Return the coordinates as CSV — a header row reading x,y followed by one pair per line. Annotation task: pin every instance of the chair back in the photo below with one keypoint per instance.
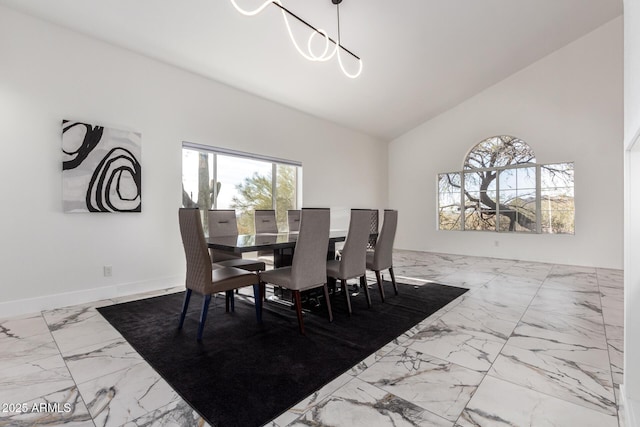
x,y
222,223
373,229
383,255
195,249
265,221
309,265
354,253
293,219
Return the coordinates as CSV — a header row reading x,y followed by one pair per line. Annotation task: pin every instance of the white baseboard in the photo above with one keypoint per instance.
x,y
49,302
630,409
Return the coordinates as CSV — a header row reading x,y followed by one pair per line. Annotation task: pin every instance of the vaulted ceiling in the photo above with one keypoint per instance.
x,y
420,57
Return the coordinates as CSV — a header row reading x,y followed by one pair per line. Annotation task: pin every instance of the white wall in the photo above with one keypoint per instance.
x,y
567,107
48,258
631,382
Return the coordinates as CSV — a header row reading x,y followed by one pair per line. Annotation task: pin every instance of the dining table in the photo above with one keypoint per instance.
x,y
282,244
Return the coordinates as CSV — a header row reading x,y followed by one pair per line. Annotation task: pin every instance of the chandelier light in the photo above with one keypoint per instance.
x,y
331,47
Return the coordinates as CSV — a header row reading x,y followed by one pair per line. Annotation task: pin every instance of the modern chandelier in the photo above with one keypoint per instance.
x,y
331,47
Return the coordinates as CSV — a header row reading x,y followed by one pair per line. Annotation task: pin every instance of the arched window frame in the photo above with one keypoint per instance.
x,y
518,206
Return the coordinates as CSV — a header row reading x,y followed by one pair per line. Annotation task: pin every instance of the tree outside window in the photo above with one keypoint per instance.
x,y
212,180
256,192
501,188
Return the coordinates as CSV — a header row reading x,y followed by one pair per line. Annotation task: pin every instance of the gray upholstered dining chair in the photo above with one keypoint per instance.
x,y
293,226
293,220
309,267
265,221
373,232
373,229
381,257
223,223
352,261
202,277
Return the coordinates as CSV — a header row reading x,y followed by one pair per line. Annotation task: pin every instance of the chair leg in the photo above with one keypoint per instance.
x,y
363,285
379,280
257,298
185,305
263,287
203,315
326,298
345,290
331,284
298,302
393,280
229,301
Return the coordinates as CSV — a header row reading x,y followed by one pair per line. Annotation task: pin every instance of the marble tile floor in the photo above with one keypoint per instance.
x,y
530,344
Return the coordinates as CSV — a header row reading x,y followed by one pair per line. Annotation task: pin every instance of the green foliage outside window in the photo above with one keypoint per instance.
x,y
256,192
244,185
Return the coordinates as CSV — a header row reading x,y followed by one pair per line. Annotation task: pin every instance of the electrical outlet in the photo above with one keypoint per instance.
x,y
108,270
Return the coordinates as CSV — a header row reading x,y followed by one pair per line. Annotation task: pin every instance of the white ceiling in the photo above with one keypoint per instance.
x,y
421,57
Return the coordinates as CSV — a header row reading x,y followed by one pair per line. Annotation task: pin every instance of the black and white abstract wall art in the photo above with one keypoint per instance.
x,y
100,168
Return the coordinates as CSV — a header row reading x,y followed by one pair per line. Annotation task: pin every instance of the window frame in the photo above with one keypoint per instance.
x,y
538,191
500,170
275,163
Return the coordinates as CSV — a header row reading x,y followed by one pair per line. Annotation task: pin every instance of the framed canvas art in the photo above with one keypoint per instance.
x,y
100,168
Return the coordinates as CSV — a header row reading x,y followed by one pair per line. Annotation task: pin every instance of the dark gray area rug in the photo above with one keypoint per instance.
x,y
244,373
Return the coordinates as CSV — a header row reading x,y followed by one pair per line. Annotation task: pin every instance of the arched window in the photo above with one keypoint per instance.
x,y
501,188
499,151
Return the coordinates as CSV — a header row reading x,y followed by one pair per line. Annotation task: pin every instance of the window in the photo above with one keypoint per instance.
x,y
215,178
501,188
